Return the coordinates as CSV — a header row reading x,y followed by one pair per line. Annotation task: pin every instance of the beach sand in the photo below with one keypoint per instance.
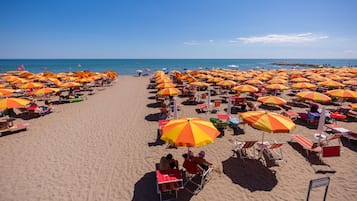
x,y
105,148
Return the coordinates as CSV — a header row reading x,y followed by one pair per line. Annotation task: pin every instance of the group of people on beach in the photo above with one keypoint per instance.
x,y
168,162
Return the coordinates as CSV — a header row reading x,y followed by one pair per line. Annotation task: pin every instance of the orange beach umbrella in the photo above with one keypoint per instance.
x,y
168,92
274,100
4,92
342,93
268,121
189,132
44,91
8,103
314,96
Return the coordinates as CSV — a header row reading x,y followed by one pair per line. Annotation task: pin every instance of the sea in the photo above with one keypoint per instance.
x,y
130,66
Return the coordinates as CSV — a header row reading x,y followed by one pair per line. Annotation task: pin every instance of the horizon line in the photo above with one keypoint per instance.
x,y
164,58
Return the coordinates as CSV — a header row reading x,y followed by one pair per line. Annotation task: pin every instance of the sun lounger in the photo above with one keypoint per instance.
x,y
168,181
195,175
273,151
8,127
243,149
327,151
306,143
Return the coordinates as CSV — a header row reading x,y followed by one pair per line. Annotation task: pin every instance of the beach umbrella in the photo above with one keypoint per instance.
x,y
277,81
2,85
70,84
168,92
8,103
353,106
300,79
268,122
303,85
199,84
245,88
4,92
274,100
227,83
350,82
314,96
276,87
189,132
31,85
44,91
254,82
330,83
165,85
342,93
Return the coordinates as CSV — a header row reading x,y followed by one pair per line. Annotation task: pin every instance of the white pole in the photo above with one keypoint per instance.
x,y
175,107
229,107
321,124
209,99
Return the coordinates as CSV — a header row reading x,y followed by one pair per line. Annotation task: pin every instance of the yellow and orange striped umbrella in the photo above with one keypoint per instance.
x,y
268,121
70,84
227,83
314,96
276,87
331,83
342,93
199,84
353,106
303,85
165,85
189,132
300,79
245,88
273,100
4,92
8,103
44,91
169,92
31,85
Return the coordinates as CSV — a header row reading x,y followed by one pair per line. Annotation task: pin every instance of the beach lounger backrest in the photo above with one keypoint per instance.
x,y
306,143
248,144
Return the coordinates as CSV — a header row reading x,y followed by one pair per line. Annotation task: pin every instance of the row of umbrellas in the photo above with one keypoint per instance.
x,y
195,132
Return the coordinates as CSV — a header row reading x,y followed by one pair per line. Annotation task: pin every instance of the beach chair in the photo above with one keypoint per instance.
x,y
202,107
274,151
243,149
309,146
7,126
168,181
195,175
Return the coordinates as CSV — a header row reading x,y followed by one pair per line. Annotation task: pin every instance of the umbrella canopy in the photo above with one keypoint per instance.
x,y
276,87
268,121
31,85
169,92
4,92
165,85
303,85
199,84
314,96
8,103
342,93
245,88
274,100
227,83
189,132
71,84
353,106
44,91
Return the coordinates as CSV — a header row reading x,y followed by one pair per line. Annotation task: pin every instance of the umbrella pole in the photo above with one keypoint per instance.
x,y
263,137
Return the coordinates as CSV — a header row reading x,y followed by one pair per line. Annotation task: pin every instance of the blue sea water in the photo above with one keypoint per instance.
x,y
129,66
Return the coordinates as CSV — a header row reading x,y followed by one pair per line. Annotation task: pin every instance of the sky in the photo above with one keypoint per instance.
x,y
178,29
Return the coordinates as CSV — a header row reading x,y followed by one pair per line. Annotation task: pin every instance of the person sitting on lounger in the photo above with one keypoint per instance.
x,y
201,161
168,162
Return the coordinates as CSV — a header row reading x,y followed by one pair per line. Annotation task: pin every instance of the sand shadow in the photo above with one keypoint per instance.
x,y
152,97
238,131
311,157
153,105
158,141
250,174
269,107
155,117
153,92
299,105
145,188
350,144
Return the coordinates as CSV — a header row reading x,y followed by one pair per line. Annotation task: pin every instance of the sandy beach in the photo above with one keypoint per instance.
x,y
105,148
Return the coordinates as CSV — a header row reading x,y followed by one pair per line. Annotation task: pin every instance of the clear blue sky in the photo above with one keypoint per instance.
x,y
178,29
